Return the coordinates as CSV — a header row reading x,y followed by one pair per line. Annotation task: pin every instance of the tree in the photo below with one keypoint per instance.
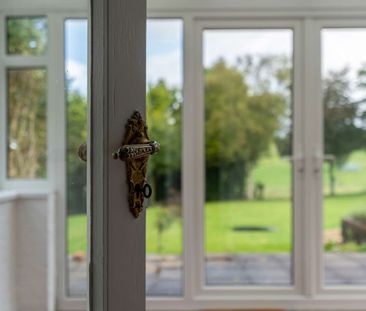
x,y
344,119
27,108
164,122
27,133
76,134
26,35
239,127
240,124
272,74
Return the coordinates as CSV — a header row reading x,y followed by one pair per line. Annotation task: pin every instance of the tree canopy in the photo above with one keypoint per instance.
x,y
239,126
26,35
344,117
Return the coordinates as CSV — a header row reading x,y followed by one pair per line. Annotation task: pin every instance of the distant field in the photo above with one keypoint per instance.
x,y
275,173
274,212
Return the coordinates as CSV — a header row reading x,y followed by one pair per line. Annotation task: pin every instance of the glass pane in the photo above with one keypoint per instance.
x,y
26,35
76,75
344,172
164,118
248,148
27,114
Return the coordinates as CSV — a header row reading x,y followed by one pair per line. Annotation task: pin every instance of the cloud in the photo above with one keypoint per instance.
x,y
167,63
231,44
164,35
343,47
167,66
78,73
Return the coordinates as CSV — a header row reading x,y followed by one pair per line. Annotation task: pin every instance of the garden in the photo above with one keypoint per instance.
x,y
272,212
248,147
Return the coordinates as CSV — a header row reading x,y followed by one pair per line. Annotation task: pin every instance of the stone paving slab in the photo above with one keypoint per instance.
x,y
164,273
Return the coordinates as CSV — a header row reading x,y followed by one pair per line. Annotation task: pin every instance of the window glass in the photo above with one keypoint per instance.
x,y
76,75
164,119
26,35
248,153
26,128
344,168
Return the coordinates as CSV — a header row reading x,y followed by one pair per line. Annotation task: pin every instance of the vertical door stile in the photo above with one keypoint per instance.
x,y
312,238
189,180
118,89
299,160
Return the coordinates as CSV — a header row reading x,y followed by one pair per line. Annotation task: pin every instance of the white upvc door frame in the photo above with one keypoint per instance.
x,y
59,118
189,163
297,150
318,153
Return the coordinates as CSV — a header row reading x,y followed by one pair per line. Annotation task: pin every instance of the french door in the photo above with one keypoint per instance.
x,y
253,140
232,54
236,251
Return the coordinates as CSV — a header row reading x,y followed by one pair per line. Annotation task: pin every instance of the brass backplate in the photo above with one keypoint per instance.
x,y
135,151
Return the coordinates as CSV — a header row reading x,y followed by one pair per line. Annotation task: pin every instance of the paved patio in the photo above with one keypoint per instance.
x,y
164,273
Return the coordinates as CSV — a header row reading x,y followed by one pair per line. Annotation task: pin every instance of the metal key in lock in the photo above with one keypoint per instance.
x,y
143,189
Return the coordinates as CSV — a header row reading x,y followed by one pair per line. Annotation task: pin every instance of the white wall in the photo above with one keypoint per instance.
x,y
7,252
27,252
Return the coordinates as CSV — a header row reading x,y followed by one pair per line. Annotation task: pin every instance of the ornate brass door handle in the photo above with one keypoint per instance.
x,y
135,151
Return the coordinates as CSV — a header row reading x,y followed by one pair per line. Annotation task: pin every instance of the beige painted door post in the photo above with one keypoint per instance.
x,y
117,269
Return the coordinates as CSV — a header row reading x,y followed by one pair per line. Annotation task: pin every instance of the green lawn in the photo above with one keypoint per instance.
x,y
274,211
221,218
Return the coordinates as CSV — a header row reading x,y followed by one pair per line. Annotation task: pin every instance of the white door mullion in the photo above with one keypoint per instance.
x,y
298,158
312,232
189,180
199,156
57,142
318,151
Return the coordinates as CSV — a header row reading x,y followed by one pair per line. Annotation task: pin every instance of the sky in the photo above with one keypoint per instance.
x,y
344,48
76,53
164,47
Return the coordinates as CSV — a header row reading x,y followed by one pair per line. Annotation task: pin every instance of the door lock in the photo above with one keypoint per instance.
x,y
135,151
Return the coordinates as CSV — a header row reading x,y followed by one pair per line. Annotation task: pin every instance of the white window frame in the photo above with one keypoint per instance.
x,y
63,300
20,62
306,18
198,177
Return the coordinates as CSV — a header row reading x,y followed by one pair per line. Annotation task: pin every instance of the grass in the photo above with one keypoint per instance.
x,y
274,211
77,230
